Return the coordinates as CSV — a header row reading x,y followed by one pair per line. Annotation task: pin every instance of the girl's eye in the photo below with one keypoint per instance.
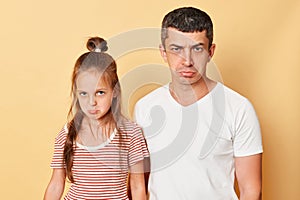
x,y
82,94
100,93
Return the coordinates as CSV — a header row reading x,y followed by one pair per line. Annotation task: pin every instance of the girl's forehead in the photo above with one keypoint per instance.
x,y
89,71
91,79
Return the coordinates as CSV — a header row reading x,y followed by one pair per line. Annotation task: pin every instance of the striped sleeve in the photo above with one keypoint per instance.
x,y
57,159
138,148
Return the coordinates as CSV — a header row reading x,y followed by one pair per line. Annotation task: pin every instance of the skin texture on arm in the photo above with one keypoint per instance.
x,y
137,181
56,185
249,176
146,172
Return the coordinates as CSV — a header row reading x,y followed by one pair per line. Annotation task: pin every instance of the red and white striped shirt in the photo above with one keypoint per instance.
x,y
101,172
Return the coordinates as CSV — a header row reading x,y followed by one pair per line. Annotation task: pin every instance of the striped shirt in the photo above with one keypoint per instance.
x,y
100,172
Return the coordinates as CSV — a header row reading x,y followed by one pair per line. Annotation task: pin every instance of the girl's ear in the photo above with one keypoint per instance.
x,y
163,52
115,93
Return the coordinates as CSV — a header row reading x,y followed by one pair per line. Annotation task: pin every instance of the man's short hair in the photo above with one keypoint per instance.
x,y
187,19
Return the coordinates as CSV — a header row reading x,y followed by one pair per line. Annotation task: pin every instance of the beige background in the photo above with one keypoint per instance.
x,y
258,55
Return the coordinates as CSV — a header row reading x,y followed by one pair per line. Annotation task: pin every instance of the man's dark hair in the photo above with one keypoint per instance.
x,y
187,19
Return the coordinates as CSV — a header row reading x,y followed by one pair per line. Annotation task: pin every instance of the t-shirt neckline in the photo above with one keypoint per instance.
x,y
97,147
196,102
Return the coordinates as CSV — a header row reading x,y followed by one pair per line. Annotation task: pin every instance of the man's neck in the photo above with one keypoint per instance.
x,y
186,94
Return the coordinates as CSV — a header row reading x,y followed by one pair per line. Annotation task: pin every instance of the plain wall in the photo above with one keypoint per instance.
x,y
258,55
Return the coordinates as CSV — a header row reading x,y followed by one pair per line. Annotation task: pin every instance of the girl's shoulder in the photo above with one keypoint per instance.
x,y
62,135
129,127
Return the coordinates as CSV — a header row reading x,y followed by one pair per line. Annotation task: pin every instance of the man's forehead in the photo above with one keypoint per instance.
x,y
186,37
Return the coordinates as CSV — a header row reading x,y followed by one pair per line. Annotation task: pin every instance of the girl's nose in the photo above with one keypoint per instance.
x,y
93,101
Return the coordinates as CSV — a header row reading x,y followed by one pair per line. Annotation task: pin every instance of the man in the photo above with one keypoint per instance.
x,y
201,135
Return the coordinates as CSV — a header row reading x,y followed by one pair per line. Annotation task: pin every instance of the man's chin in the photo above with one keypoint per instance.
x,y
188,80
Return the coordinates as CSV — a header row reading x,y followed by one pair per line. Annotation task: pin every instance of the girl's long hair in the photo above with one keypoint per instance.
x,y
106,65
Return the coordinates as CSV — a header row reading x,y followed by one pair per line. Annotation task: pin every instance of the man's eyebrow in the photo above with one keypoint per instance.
x,y
198,44
175,45
195,45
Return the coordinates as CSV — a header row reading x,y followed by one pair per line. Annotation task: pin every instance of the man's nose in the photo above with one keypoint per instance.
x,y
187,58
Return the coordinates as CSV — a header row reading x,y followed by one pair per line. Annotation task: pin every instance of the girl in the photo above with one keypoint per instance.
x,y
98,147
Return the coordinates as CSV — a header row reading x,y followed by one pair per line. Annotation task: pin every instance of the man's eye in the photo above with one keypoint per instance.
x,y
175,49
198,49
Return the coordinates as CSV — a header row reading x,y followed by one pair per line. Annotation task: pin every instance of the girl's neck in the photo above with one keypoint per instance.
x,y
94,132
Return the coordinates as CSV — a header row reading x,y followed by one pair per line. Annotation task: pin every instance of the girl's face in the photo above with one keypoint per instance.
x,y
94,95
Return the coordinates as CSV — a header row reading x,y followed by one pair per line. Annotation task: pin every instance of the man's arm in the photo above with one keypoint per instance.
x,y
249,176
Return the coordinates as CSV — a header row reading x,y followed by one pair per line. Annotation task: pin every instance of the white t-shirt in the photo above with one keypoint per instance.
x,y
192,148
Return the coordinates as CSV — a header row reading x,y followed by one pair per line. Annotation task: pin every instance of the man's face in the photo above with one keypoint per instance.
x,y
187,55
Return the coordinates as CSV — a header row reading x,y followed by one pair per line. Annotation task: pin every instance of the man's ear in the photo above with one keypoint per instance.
x,y
163,52
212,50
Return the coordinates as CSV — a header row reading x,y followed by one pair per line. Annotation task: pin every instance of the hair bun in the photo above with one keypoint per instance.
x,y
96,44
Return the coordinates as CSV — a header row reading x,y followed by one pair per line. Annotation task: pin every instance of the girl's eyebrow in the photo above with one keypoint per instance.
x,y
97,89
101,89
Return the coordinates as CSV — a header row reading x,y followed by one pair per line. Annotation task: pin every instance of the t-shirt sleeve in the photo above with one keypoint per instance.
x,y
57,159
138,148
247,139
136,114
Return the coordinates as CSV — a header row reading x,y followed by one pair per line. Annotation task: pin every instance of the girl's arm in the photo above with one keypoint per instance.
x,y
137,181
56,186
